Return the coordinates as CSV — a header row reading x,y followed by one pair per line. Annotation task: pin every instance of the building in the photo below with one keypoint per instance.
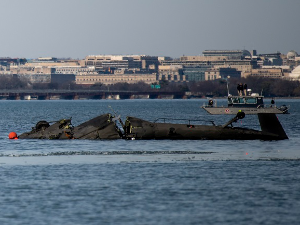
x,y
194,67
292,59
171,73
45,74
107,79
7,62
53,62
286,70
207,58
271,59
231,54
221,73
266,72
135,62
295,74
195,73
73,69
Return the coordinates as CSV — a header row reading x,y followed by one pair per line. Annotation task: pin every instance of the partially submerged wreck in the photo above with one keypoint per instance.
x,y
141,129
100,127
105,127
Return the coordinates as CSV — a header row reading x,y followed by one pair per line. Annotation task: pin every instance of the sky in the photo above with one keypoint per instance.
x,y
78,28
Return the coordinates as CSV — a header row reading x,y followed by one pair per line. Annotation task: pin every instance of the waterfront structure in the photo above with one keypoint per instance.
x,y
213,64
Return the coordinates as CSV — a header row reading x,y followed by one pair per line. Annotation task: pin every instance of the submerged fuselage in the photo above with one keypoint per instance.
x,y
105,127
141,129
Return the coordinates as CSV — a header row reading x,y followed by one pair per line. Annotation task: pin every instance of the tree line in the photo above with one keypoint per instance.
x,y
218,88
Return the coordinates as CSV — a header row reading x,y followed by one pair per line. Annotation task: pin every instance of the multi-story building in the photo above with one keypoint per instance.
x,y
266,72
37,74
73,69
222,73
107,79
197,65
171,73
7,61
52,62
231,54
271,59
137,62
195,73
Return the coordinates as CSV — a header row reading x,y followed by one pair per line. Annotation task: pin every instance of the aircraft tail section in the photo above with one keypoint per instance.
x,y
269,123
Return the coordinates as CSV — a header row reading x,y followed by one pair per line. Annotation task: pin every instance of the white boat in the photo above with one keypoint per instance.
x,y
30,97
250,104
27,97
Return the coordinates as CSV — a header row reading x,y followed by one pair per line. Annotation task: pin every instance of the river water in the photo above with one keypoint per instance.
x,y
145,182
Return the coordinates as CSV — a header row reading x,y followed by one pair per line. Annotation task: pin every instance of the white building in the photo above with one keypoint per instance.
x,y
295,74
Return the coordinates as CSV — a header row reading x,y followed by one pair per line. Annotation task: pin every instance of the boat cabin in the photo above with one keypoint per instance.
x,y
245,101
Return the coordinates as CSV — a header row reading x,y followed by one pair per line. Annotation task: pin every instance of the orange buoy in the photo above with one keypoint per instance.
x,y
13,135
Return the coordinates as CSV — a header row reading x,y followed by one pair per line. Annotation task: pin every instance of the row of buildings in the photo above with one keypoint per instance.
x,y
111,69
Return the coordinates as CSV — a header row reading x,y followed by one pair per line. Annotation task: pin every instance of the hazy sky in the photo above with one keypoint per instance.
x,y
77,28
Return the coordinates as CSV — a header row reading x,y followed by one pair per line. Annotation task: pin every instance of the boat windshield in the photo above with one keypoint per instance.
x,y
251,100
242,100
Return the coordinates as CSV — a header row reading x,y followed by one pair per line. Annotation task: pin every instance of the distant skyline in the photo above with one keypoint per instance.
x,y
77,28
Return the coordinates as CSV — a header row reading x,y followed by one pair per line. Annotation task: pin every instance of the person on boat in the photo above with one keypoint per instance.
x,y
272,102
240,89
245,89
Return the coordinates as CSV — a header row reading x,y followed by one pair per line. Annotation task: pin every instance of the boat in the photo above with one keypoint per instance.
x,y
250,104
27,97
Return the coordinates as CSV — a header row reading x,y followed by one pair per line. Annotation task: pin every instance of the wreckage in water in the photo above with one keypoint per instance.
x,y
136,128
100,127
105,127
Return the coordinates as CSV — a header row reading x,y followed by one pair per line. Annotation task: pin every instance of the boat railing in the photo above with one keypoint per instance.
x,y
214,104
276,106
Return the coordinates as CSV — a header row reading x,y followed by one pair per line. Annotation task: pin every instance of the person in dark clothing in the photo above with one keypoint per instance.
x,y
240,89
245,89
272,101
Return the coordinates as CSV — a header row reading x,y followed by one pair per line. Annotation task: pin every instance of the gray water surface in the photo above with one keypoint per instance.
x,y
147,181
